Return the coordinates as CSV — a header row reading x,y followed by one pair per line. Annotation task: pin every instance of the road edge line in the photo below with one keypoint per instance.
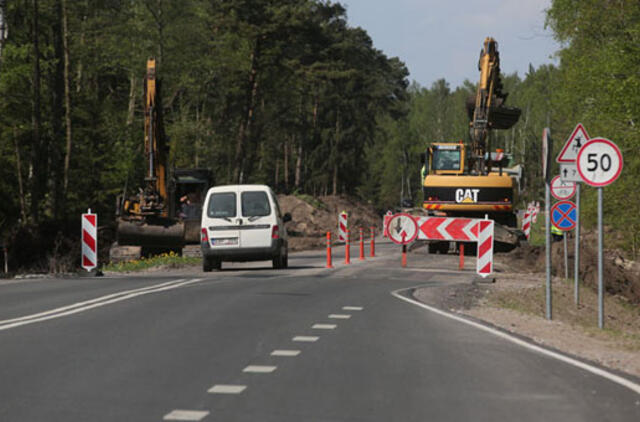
x,y
531,346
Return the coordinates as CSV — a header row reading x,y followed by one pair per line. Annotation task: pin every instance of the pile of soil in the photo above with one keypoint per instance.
x,y
312,218
622,276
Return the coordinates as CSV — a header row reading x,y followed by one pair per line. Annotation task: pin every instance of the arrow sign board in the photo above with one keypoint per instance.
x,y
599,162
561,189
563,215
402,229
444,228
569,173
569,152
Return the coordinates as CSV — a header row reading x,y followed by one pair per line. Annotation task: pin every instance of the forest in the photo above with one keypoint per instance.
x,y
282,92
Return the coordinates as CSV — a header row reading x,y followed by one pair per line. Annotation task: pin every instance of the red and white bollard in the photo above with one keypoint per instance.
x,y
89,241
373,242
526,224
329,263
343,225
361,244
347,252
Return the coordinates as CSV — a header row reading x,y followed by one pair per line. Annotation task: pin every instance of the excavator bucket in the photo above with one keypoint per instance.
x,y
157,236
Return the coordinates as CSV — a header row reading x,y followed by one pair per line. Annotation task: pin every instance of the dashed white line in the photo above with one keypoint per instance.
x,y
185,415
339,316
306,339
227,389
259,369
352,308
285,353
323,326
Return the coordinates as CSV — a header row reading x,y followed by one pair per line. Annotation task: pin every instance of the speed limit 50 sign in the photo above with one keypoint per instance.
x,y
599,162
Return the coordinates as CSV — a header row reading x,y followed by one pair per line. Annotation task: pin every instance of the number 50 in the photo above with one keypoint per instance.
x,y
604,163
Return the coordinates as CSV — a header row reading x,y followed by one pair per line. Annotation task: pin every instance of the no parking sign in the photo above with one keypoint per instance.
x,y
563,215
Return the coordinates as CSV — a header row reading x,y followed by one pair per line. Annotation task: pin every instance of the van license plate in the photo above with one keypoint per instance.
x,y
224,241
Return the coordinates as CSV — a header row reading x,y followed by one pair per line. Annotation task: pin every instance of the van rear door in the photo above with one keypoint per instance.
x,y
223,219
259,219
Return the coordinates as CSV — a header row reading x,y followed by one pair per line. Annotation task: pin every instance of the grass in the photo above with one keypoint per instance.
x,y
622,320
311,200
170,260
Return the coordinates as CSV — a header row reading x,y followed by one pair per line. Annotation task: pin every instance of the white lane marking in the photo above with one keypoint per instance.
x,y
590,368
227,389
352,308
285,353
323,326
185,415
93,303
307,339
259,369
339,316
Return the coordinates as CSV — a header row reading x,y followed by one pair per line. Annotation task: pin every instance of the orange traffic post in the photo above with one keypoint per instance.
x,y
361,244
329,250
373,241
347,254
404,256
461,255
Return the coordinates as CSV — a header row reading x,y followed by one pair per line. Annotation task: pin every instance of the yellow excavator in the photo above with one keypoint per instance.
x,y
472,181
163,215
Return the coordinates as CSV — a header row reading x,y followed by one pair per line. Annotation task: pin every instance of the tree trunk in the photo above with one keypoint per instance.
x,y
285,166
36,155
245,123
133,94
67,97
23,207
3,26
336,156
298,165
54,150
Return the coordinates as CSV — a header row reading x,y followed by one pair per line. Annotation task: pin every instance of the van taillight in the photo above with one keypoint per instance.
x,y
274,233
204,237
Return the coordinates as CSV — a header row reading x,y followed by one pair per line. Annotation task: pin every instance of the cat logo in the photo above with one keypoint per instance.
x,y
467,196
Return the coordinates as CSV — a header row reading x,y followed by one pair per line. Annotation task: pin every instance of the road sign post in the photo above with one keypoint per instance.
x,y
576,261
547,146
600,164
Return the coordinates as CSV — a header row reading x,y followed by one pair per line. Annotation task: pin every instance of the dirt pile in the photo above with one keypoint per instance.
x,y
313,217
622,276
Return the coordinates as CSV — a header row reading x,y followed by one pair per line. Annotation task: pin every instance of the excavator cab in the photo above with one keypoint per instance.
x,y
446,158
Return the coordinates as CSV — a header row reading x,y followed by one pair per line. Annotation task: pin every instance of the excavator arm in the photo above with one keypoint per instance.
x,y
487,110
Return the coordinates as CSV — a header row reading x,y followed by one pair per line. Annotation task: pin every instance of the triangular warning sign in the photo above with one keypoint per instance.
x,y
569,152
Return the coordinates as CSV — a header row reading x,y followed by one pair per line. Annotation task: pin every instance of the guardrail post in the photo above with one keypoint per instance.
x,y
329,263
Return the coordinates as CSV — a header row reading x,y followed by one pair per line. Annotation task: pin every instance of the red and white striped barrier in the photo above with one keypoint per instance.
x,y
342,227
385,223
536,211
484,265
462,230
526,224
89,240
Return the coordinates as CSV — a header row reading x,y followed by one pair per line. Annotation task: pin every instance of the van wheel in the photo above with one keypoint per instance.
x,y
207,264
279,262
285,261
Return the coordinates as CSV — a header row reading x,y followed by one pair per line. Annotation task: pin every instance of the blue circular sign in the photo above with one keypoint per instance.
x,y
563,215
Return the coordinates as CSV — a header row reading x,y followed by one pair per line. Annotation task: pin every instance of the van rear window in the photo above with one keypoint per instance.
x,y
222,205
255,204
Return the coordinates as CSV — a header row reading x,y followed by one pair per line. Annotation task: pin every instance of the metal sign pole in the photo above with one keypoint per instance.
x,y
600,263
576,270
566,258
547,222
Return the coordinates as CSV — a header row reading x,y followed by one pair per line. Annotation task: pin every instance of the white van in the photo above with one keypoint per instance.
x,y
243,223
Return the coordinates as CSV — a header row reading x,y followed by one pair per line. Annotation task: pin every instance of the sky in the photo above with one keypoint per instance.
x,y
442,38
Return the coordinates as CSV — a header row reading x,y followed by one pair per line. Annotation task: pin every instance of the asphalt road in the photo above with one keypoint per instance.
x,y
253,344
